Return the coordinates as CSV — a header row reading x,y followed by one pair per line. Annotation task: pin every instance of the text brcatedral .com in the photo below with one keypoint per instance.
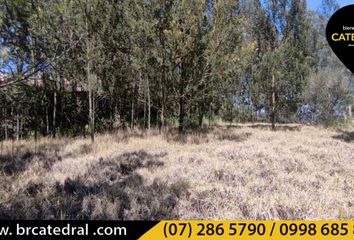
x,y
67,230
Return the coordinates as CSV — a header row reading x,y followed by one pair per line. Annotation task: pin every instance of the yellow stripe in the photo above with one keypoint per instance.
x,y
247,230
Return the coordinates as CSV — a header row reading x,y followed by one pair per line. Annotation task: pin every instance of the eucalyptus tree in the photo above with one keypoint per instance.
x,y
284,55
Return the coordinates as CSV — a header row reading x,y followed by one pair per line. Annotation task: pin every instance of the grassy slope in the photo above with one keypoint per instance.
x,y
242,172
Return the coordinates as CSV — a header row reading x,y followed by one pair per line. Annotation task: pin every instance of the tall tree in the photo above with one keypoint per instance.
x,y
284,54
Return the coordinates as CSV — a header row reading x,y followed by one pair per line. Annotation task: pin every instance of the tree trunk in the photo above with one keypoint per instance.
x,y
5,122
181,111
54,130
201,115
91,79
21,129
162,103
350,114
210,114
47,120
132,111
12,148
149,106
36,128
92,115
145,113
162,116
17,125
162,82
6,132
133,106
273,104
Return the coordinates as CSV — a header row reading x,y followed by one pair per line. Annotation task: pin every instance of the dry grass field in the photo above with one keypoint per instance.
x,y
239,172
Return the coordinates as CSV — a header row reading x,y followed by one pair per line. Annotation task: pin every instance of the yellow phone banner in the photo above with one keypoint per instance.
x,y
247,230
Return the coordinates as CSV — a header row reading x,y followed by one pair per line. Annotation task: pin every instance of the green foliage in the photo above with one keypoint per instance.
x,y
109,64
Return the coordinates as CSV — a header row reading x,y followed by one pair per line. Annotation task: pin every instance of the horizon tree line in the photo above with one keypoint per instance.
x,y
79,67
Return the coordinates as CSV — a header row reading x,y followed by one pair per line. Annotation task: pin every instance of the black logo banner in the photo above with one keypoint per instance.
x,y
340,35
74,229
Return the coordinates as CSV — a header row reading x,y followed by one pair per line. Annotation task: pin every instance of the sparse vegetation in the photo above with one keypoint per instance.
x,y
298,172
